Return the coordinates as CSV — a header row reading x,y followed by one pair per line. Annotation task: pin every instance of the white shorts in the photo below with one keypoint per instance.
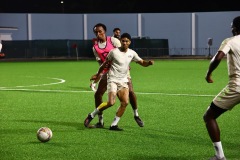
x,y
115,87
227,98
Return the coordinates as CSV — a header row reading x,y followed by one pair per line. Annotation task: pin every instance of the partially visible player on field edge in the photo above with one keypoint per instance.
x,y
2,55
229,97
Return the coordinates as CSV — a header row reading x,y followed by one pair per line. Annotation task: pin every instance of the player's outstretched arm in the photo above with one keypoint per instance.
x,y
145,63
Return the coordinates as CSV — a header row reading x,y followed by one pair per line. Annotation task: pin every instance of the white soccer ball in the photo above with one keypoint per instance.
x,y
44,134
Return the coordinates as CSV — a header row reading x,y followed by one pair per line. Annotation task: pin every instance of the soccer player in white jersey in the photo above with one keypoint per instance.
x,y
117,82
230,95
103,44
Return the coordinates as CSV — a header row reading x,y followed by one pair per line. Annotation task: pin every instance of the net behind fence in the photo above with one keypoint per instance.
x,y
150,48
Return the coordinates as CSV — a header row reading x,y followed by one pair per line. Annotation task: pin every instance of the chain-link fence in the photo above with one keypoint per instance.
x,y
83,49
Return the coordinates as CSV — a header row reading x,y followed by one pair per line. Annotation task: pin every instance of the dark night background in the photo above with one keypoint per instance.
x,y
116,6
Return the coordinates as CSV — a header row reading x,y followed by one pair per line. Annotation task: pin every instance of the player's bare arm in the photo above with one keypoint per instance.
x,y
213,65
104,65
145,63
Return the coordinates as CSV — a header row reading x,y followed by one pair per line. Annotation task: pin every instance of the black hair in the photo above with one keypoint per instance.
x,y
100,25
236,23
115,29
126,35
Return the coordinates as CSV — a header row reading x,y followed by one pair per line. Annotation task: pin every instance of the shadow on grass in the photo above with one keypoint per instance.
x,y
76,125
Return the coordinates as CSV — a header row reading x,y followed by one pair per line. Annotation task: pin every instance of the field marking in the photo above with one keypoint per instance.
x,y
72,91
37,85
21,88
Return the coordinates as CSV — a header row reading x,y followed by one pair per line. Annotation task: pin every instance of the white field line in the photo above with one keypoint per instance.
x,y
74,91
37,85
22,88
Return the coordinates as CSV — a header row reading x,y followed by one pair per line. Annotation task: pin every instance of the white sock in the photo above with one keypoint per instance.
x,y
94,113
218,149
135,111
100,117
115,121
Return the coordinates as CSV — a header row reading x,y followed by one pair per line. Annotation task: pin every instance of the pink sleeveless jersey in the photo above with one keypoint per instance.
x,y
103,52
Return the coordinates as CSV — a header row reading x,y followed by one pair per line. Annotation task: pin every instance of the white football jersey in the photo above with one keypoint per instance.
x,y
120,61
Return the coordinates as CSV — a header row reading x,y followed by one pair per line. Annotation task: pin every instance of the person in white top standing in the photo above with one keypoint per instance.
x,y
230,95
0,46
2,55
118,61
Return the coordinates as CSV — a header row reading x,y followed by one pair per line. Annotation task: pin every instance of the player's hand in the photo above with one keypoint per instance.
x,y
150,62
108,65
94,77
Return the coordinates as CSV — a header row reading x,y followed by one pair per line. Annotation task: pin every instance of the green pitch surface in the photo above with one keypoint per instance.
x,y
172,97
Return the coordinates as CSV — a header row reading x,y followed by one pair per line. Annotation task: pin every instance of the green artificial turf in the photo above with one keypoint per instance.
x,y
172,96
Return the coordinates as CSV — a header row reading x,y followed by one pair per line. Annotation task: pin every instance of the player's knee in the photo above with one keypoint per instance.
x,y
212,112
205,117
111,103
124,104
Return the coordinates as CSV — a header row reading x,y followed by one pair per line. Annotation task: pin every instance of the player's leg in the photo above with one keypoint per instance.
x,y
112,89
224,101
132,96
133,102
93,84
102,87
123,96
112,93
210,116
96,111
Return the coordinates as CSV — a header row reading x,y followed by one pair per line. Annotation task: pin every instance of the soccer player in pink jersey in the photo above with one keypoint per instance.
x,y
230,95
117,79
101,49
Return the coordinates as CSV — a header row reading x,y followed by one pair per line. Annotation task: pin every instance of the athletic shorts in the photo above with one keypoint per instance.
x,y
227,98
115,87
104,74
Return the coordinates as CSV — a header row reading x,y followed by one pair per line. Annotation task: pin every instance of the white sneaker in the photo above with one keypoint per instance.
x,y
93,86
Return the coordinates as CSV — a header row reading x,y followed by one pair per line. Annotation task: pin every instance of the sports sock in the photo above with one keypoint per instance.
x,y
135,111
218,149
115,121
100,117
103,104
94,113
